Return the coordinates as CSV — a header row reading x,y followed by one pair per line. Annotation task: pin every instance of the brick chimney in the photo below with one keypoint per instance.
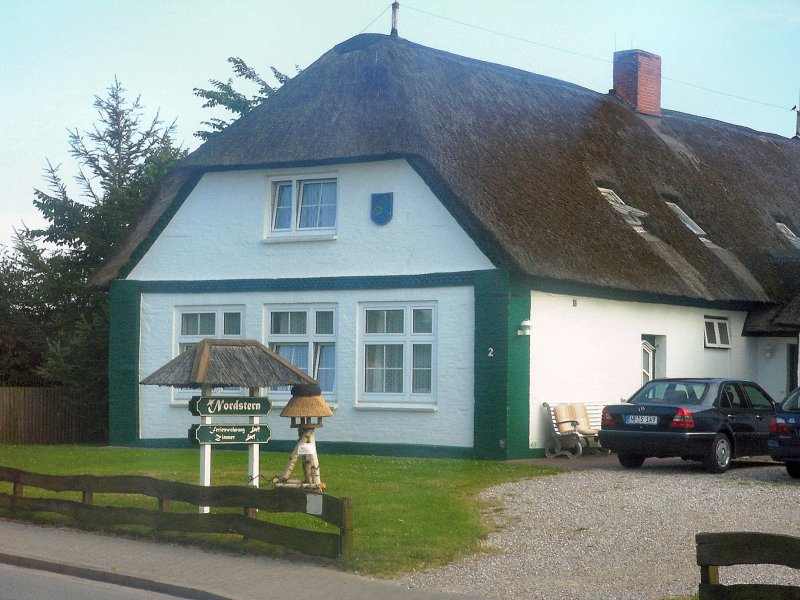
x,y
637,80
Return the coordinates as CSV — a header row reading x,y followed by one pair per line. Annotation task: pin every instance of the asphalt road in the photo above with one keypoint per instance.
x,y
17,583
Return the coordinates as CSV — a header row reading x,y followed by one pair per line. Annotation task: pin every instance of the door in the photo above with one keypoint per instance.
x,y
791,367
762,407
733,404
648,361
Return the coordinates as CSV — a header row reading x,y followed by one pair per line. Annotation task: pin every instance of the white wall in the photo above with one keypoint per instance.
x,y
449,422
218,233
589,350
773,361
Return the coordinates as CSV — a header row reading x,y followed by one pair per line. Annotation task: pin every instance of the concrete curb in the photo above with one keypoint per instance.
x,y
106,577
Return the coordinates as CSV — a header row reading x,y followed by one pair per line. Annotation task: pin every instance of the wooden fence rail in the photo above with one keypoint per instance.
x,y
716,550
34,415
333,510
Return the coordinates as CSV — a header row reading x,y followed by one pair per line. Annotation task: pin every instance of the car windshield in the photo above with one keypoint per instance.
x,y
792,402
671,392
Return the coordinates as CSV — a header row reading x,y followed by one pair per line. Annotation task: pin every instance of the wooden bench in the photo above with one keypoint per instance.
x,y
716,550
570,433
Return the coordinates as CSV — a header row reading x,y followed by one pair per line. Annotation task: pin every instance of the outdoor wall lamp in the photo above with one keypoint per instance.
x,y
525,328
769,350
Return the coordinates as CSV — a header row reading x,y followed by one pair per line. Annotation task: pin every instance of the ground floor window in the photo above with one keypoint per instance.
x,y
305,335
397,352
196,323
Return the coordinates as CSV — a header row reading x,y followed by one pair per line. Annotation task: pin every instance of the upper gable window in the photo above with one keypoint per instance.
x,y
686,219
303,207
790,235
631,215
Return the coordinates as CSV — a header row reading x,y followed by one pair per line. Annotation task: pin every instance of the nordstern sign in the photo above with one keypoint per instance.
x,y
229,434
209,406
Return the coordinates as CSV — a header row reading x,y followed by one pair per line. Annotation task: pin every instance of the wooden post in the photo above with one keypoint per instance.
x,y
253,467
205,455
19,491
87,497
346,528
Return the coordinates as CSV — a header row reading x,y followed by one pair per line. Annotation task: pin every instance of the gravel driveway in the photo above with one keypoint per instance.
x,y
610,533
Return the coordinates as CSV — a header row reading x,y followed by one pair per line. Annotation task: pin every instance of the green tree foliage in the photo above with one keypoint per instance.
x,y
22,339
223,94
120,161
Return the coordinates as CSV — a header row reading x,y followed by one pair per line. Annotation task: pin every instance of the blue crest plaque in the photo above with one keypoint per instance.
x,y
381,210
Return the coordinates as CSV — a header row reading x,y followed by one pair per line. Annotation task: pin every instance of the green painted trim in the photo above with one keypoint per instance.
x,y
424,280
519,371
152,235
491,365
502,375
123,363
363,449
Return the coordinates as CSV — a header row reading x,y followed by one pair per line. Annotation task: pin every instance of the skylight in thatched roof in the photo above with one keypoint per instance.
x,y
227,363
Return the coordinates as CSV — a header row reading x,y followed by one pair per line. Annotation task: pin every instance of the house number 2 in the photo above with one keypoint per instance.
x,y
491,352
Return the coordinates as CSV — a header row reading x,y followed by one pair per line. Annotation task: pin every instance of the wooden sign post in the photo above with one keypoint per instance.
x,y
207,434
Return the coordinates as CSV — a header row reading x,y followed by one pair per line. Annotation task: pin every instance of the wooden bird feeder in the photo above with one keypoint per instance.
x,y
305,405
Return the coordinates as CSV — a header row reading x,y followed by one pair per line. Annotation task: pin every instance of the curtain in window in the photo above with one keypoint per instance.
x,y
384,368
318,205
283,207
297,354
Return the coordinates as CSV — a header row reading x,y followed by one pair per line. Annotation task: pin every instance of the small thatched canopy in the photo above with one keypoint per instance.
x,y
227,363
306,401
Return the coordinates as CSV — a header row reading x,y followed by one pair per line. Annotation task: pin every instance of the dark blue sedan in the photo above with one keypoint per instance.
x,y
784,434
710,420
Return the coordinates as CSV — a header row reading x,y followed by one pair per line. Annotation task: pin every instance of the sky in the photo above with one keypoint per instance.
x,y
732,60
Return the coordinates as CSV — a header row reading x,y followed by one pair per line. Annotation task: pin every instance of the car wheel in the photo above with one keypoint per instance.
x,y
793,469
718,458
630,461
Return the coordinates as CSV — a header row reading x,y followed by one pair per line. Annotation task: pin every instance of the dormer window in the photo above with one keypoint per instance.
x,y
686,219
631,215
788,233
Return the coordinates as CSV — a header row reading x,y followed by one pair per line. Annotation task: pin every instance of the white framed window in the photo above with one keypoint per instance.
x,y
397,352
788,233
632,216
305,335
302,207
196,323
717,332
685,219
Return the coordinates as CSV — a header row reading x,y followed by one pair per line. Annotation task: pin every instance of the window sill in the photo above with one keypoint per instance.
x,y
300,237
396,406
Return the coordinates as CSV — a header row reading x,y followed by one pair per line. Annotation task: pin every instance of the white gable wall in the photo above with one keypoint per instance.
x,y
219,234
589,350
219,231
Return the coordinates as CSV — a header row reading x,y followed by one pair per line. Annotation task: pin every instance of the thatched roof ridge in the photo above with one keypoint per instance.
x,y
517,157
227,363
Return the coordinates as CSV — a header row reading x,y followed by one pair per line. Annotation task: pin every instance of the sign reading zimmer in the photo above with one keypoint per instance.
x,y
229,434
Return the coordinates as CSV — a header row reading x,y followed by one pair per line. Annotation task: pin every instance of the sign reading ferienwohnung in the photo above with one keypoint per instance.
x,y
229,434
213,406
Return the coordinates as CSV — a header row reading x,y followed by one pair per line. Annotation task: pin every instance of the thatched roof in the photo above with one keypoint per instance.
x,y
227,363
517,157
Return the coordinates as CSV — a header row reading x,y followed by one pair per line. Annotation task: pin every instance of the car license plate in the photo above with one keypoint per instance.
x,y
641,419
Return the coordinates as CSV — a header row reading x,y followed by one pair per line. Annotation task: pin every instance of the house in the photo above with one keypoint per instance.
x,y
445,244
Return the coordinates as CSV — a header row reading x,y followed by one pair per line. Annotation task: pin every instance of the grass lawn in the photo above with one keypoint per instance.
x,y
410,513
